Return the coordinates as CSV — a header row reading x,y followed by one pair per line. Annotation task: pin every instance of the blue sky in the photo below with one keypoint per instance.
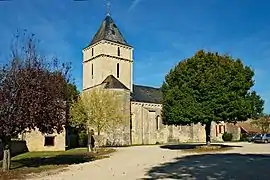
x,y
162,32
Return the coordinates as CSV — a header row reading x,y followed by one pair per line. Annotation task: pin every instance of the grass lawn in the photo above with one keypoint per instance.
x,y
199,148
211,148
37,162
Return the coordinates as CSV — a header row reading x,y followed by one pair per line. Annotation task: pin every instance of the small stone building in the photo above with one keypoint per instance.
x,y
36,141
108,62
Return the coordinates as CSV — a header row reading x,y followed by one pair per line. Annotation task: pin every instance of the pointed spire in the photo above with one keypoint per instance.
x,y
108,5
109,31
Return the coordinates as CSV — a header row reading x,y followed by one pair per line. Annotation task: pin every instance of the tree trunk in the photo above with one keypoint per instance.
x,y
6,158
208,133
98,130
89,146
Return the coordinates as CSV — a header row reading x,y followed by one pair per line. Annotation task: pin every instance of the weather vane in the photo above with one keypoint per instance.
x,y
108,7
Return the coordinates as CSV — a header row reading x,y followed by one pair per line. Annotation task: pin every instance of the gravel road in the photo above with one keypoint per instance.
x,y
248,161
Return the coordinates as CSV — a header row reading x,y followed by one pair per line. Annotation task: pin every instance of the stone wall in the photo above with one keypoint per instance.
x,y
192,133
17,147
146,127
235,130
35,141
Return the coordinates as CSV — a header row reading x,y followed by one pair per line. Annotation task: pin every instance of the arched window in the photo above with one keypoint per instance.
x,y
92,51
92,71
118,51
117,70
157,122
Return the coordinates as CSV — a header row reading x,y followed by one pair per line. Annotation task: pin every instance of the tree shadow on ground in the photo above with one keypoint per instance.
x,y
22,167
61,160
214,166
37,162
56,160
194,146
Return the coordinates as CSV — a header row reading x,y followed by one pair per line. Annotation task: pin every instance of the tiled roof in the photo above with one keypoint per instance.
x,y
112,83
109,31
146,94
247,127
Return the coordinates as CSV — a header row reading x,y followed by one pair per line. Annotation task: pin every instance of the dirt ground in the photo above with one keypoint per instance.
x,y
244,161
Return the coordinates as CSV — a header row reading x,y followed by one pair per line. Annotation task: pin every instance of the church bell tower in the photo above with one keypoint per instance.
x,y
107,55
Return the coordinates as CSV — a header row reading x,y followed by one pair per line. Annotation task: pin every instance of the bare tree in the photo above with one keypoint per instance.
x,y
32,93
263,123
102,109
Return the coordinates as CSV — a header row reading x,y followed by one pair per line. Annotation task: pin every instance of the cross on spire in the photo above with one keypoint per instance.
x,y
108,4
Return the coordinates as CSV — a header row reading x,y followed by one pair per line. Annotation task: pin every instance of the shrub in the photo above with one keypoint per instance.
x,y
243,137
83,139
227,136
73,140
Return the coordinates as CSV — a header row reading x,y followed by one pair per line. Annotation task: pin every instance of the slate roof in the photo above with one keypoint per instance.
x,y
140,93
109,31
146,94
113,83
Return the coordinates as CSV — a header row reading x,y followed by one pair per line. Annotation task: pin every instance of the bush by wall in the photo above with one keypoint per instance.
x,y
243,137
73,140
227,136
83,139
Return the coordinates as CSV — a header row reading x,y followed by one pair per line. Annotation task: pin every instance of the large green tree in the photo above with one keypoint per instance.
x,y
209,87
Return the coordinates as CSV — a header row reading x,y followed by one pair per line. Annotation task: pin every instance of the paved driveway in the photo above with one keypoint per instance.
x,y
249,161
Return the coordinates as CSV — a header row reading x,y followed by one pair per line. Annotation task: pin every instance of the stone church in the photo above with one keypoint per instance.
x,y
108,63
